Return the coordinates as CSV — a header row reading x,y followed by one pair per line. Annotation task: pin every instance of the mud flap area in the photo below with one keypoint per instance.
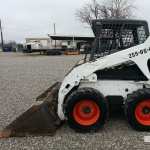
x,y
40,119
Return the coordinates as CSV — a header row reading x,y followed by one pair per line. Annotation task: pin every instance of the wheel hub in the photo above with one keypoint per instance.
x,y
86,112
142,112
146,110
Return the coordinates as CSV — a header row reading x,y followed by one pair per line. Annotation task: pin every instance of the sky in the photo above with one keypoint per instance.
x,y
35,18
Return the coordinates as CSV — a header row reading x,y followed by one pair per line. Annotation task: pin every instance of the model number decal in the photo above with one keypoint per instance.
x,y
137,53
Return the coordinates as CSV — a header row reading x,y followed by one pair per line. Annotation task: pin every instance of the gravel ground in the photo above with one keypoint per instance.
x,y
24,77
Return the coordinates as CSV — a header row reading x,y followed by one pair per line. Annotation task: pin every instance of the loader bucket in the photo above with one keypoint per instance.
x,y
40,119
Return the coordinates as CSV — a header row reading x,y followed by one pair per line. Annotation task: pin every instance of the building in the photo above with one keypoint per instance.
x,y
69,41
61,42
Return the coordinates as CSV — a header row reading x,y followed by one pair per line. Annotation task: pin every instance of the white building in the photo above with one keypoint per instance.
x,y
57,42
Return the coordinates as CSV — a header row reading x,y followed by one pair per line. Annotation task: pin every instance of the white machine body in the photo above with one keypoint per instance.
x,y
84,75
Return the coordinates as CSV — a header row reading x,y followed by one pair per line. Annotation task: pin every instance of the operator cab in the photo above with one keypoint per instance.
x,y
112,35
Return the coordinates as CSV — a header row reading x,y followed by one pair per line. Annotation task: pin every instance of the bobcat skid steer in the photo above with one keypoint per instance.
x,y
117,73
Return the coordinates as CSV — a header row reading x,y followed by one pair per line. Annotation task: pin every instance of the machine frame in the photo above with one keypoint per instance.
x,y
84,75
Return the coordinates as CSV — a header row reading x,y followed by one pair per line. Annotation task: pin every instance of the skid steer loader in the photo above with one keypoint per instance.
x,y
117,73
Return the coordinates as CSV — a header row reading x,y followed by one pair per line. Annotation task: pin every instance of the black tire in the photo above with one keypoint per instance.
x,y
133,101
80,95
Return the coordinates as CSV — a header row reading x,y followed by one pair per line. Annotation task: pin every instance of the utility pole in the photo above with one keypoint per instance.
x,y
2,41
73,41
55,33
54,29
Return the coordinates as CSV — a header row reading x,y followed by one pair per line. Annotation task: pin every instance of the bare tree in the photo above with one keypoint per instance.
x,y
117,9
88,12
108,9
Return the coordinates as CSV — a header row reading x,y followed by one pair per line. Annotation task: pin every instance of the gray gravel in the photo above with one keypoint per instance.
x,y
24,77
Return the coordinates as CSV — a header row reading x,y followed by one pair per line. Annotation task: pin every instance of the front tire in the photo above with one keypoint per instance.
x,y
86,110
137,109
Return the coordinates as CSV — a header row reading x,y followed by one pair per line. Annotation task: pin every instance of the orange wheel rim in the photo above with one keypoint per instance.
x,y
142,112
86,112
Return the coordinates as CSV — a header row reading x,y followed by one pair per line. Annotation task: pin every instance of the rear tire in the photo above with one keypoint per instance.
x,y
86,110
137,109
